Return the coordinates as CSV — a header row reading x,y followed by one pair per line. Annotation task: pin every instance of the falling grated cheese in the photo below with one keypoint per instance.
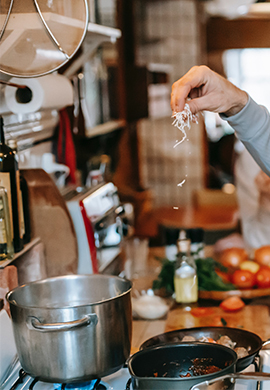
x,y
182,120
182,182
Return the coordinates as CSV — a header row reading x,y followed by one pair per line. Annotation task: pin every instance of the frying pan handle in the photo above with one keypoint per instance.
x,y
267,342
34,323
219,381
128,384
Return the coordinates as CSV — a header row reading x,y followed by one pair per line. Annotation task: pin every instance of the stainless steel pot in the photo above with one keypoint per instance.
x,y
72,328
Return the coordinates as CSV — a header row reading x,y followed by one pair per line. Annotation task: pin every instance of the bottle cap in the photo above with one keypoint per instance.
x,y
12,143
183,245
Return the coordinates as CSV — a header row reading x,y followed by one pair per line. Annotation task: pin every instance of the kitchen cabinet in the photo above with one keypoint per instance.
x,y
245,32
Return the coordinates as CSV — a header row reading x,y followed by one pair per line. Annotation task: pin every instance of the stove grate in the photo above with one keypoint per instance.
x,y
22,374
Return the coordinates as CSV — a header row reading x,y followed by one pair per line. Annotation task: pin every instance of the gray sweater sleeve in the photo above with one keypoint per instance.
x,y
252,127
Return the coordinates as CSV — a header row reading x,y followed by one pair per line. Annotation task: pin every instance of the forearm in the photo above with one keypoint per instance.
x,y
252,127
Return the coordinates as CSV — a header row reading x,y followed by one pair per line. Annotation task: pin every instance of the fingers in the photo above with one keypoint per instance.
x,y
188,86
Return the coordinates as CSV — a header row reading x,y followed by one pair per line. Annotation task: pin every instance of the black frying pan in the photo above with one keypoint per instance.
x,y
243,338
166,366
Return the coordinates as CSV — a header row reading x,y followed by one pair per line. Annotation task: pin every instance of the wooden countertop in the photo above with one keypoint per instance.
x,y
254,317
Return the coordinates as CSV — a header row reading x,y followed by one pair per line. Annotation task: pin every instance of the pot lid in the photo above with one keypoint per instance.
x,y
39,36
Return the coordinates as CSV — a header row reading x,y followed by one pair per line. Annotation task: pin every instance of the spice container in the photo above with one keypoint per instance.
x,y
185,275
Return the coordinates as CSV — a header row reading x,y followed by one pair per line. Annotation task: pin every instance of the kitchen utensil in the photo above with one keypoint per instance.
x,y
228,381
243,338
82,321
38,37
50,220
160,367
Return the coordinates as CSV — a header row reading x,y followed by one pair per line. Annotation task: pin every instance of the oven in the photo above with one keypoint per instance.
x,y
101,224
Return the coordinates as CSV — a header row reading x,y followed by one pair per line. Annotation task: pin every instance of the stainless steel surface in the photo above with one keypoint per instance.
x,y
108,221
96,348
228,381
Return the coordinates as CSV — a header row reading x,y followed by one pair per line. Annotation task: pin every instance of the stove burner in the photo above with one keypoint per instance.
x,y
90,385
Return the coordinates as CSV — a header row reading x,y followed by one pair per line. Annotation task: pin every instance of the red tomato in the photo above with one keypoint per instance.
x,y
243,279
201,311
263,277
232,304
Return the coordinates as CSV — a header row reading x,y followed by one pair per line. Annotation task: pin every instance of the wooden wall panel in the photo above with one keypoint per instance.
x,y
223,34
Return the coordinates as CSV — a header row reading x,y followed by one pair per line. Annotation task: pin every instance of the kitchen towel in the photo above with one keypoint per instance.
x,y
66,153
46,92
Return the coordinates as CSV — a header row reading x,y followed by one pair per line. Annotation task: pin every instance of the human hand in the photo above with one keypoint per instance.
x,y
208,91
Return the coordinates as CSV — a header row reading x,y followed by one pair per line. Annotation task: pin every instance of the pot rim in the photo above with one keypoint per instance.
x,y
72,276
189,343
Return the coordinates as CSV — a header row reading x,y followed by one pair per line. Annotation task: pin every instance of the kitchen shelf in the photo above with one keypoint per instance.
x,y
105,128
95,36
27,247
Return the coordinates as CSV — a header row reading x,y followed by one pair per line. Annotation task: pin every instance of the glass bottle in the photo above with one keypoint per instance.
x,y
25,229
185,275
10,180
6,239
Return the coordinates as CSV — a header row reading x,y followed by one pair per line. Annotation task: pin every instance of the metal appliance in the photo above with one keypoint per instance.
x,y
100,223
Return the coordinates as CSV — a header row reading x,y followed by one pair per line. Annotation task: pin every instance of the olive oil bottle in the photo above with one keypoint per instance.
x,y
185,275
10,180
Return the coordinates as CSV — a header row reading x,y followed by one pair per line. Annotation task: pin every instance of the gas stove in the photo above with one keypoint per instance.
x,y
17,379
116,381
13,378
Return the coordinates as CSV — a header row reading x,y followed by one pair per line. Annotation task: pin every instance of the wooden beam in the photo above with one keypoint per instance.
x,y
224,34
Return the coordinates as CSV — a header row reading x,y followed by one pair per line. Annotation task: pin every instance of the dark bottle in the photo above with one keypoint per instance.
x,y
6,239
10,180
24,199
26,213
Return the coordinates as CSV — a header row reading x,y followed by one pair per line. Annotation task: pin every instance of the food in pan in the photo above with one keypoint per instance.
x,y
241,352
223,340
200,366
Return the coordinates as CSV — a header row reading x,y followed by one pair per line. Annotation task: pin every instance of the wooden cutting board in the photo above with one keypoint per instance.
x,y
255,319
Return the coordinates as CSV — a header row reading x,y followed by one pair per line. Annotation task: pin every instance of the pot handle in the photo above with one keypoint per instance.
x,y
34,323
